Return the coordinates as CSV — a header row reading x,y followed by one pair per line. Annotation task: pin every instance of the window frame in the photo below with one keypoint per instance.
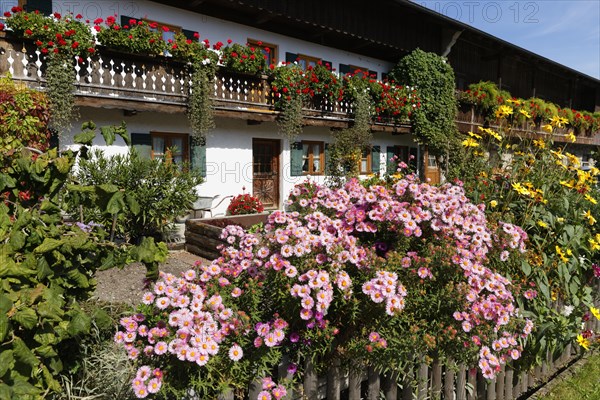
x,y
167,137
273,54
307,59
310,157
369,159
172,28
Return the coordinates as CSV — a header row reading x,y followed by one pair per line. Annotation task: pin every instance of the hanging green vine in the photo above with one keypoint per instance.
x,y
433,122
60,76
290,119
348,144
200,109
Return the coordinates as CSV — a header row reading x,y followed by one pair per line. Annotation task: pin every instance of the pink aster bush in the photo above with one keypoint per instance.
x,y
367,275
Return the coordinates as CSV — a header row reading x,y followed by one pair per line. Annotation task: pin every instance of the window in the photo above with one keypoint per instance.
x,y
268,49
403,153
365,162
304,61
170,146
313,158
166,35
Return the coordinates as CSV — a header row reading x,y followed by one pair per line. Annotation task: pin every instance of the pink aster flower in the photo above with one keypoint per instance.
x,y
236,352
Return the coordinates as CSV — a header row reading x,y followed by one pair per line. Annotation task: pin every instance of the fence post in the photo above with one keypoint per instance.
x,y
254,389
310,381
472,380
354,379
227,394
436,379
374,385
407,382
333,381
449,380
389,384
282,372
461,383
500,384
508,383
422,381
491,389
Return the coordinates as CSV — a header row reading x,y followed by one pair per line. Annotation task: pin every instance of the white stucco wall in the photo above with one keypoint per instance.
x,y
228,147
215,29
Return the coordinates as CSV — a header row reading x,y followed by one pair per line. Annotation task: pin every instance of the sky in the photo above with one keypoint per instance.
x,y
565,31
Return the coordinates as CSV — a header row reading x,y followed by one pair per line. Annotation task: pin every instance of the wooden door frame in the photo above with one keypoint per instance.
x,y
278,184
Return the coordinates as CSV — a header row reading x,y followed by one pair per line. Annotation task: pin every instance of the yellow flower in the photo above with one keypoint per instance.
x,y
561,254
590,199
594,245
490,132
568,184
547,128
558,122
595,312
590,217
493,203
583,342
525,113
571,137
542,224
573,160
469,142
520,189
503,111
539,144
560,220
473,135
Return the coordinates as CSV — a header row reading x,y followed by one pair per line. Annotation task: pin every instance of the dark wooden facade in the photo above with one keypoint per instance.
x,y
388,29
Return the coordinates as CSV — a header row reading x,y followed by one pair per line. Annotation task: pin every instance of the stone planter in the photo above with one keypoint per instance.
x,y
202,236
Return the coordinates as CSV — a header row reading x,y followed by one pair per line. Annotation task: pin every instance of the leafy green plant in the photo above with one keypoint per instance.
x,y
139,37
60,38
135,196
433,122
25,115
199,111
544,191
47,267
245,59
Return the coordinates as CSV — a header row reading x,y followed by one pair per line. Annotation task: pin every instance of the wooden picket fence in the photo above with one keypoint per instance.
x,y
424,381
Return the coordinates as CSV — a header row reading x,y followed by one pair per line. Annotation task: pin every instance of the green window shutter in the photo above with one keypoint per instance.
x,y
372,74
198,155
142,143
296,159
344,69
327,155
390,165
189,34
125,20
384,76
375,159
326,63
290,57
43,6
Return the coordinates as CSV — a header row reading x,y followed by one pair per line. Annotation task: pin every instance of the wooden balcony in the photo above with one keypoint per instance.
x,y
109,79
159,84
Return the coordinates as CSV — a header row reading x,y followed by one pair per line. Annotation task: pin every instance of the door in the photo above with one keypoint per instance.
x,y
265,171
432,169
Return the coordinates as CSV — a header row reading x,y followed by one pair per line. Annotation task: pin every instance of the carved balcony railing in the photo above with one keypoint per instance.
x,y
127,81
133,82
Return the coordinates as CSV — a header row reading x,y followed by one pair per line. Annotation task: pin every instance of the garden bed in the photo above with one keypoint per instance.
x,y
202,236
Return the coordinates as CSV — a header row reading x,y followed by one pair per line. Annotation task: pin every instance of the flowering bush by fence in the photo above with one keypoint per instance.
x,y
361,275
543,189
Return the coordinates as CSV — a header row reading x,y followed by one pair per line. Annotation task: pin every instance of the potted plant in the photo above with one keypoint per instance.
x,y
138,37
245,203
243,59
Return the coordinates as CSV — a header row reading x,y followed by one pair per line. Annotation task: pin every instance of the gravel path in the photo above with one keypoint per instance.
x,y
126,285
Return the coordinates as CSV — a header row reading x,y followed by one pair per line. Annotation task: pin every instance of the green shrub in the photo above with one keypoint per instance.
x,y
155,193
47,267
24,114
433,78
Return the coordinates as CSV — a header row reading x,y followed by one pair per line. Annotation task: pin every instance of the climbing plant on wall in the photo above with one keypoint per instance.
x,y
433,122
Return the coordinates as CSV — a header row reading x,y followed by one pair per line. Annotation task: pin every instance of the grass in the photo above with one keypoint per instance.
x,y
584,385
